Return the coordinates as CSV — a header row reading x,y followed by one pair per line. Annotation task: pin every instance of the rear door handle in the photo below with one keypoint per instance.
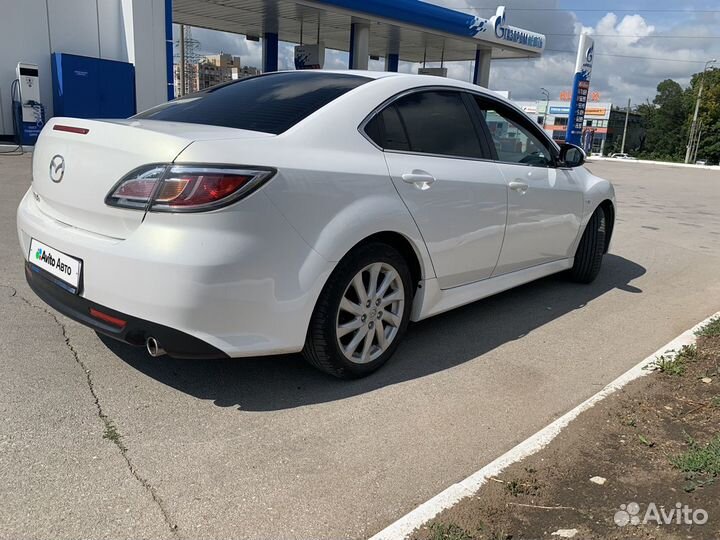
x,y
520,187
421,179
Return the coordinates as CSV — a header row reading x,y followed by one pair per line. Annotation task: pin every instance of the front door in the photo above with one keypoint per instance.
x,y
545,203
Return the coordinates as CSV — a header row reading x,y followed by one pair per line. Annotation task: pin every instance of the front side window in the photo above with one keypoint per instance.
x,y
431,122
514,142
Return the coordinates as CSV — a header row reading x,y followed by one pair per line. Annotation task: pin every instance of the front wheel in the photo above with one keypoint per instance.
x,y
589,254
361,314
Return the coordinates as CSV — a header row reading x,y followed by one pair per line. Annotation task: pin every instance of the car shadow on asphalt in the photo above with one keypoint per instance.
x,y
432,345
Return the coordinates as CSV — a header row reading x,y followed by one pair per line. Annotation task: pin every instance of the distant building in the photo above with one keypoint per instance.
x,y
245,71
211,70
635,131
604,123
191,79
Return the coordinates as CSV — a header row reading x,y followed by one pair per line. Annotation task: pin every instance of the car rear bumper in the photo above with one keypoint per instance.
x,y
134,331
240,280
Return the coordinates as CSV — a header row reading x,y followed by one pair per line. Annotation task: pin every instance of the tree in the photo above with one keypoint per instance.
x,y
666,121
709,117
669,117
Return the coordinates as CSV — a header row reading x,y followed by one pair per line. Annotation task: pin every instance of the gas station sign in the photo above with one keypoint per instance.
x,y
581,90
310,56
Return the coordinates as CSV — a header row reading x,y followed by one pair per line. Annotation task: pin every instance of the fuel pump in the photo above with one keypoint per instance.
x,y
28,112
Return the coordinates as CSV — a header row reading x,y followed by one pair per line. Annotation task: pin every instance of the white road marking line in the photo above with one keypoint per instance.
x,y
452,495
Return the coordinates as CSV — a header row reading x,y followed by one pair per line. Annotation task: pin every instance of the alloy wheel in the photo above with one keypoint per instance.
x,y
370,313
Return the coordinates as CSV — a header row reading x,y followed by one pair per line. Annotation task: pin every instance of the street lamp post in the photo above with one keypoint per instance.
x,y
693,126
547,105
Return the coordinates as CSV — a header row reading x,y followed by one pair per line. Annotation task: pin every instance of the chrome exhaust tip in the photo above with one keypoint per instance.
x,y
153,347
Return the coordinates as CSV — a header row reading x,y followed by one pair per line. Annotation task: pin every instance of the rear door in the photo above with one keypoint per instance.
x,y
545,203
438,163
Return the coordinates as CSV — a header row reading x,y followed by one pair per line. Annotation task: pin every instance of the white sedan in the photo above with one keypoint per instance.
x,y
309,211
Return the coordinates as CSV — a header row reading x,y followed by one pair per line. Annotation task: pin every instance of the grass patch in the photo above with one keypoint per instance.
x,y
441,531
710,329
699,460
645,441
715,402
674,364
516,488
112,434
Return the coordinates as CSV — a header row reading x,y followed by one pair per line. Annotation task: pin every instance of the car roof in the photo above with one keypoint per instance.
x,y
411,78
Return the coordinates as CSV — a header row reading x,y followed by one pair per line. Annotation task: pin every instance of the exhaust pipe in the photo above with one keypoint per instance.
x,y
153,347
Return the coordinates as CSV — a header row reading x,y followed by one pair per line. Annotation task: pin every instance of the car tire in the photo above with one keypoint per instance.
x,y
342,315
590,251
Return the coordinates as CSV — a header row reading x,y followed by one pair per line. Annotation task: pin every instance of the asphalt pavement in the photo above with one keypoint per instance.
x,y
99,440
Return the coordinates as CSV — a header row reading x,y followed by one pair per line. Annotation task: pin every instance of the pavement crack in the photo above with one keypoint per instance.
x,y
110,431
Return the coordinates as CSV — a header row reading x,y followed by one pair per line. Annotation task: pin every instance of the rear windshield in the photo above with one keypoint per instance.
x,y
269,103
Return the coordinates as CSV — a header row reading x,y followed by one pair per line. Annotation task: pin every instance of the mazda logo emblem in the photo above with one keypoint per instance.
x,y
57,168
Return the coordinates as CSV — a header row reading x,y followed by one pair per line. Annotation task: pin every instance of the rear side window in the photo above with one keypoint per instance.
x,y
271,103
388,131
432,122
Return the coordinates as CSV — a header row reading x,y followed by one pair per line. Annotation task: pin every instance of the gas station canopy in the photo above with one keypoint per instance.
x,y
413,30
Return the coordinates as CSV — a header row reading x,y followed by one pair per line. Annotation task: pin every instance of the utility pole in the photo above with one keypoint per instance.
x,y
697,141
627,116
181,91
547,105
693,126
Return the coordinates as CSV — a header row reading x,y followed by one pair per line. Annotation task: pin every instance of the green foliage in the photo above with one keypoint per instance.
x,y
699,459
441,531
709,116
674,364
665,119
669,117
710,329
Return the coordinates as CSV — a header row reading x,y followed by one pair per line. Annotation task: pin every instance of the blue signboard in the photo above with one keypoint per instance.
x,y
581,88
85,87
559,110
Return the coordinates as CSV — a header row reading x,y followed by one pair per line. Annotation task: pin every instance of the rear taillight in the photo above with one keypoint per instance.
x,y
186,188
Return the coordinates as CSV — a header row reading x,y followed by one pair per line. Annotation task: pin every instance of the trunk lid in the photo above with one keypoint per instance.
x,y
95,161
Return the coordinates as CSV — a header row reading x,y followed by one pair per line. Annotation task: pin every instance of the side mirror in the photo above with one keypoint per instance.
x,y
571,156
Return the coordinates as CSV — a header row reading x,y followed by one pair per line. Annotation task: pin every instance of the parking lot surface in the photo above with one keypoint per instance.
x,y
99,440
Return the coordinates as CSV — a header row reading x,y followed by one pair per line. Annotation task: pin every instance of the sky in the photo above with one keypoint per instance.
x,y
673,40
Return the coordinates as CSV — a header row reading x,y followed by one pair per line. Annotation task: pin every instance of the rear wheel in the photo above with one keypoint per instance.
x,y
362,313
589,254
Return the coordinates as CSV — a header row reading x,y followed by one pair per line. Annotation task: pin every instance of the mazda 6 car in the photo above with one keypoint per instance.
x,y
316,212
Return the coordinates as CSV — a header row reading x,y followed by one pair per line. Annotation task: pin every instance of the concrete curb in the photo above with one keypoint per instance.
x,y
466,488
649,162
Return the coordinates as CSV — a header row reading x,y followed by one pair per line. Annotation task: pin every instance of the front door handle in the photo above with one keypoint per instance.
x,y
421,179
520,187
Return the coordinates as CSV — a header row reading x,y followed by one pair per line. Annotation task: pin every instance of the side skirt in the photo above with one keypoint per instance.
x,y
432,300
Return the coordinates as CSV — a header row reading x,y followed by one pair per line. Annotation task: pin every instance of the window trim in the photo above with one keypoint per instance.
x,y
482,141
476,117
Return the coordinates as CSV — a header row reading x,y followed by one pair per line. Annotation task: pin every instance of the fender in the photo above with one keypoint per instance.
x,y
355,207
596,191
